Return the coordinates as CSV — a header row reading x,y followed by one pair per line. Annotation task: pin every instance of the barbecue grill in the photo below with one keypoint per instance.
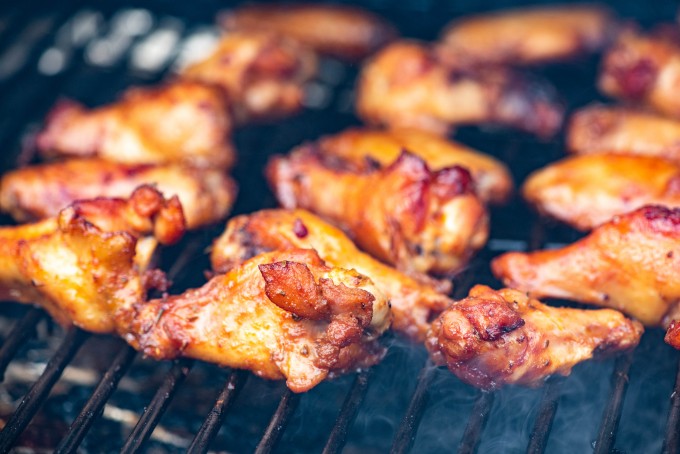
x,y
69,390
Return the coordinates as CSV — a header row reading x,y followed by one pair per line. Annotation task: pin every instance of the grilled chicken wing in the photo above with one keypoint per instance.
x,y
644,69
262,73
493,338
40,191
410,85
404,214
414,303
531,35
88,266
186,122
493,181
630,263
585,191
282,314
603,129
341,31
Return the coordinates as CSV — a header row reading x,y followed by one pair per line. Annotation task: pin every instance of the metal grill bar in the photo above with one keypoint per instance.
x,y
41,388
612,414
213,421
348,412
287,405
408,429
149,419
94,406
476,423
544,419
22,330
671,443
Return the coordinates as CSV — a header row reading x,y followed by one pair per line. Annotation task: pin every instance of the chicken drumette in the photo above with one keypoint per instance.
x,y
585,191
40,191
414,302
493,338
408,84
405,214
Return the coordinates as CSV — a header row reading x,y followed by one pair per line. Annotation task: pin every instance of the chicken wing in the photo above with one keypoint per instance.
x,y
262,73
404,214
585,191
493,181
184,122
40,191
630,264
88,266
644,69
344,32
526,36
410,85
282,314
603,129
414,302
494,338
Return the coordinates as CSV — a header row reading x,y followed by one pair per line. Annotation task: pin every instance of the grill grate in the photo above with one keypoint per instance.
x,y
368,412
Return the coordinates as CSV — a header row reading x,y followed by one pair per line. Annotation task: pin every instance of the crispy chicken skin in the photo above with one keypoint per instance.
x,y
40,191
526,36
630,264
408,84
262,74
644,69
282,314
88,266
185,122
493,181
604,129
585,191
344,32
499,337
414,303
404,214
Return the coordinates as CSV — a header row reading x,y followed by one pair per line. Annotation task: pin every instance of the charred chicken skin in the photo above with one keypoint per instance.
x,y
644,69
527,36
404,214
283,314
40,191
586,191
493,181
499,337
408,84
186,122
414,303
604,129
262,74
88,266
629,264
344,32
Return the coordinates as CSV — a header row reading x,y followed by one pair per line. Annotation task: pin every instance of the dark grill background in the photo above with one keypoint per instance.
x,y
91,53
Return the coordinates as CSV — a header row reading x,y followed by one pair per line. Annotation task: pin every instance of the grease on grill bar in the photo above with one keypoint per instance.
x,y
89,54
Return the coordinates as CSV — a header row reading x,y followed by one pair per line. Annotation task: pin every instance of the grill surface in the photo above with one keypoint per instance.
x,y
67,390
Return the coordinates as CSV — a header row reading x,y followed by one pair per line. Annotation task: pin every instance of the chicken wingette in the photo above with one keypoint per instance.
x,y
408,84
89,265
345,32
405,214
414,302
499,337
281,314
525,36
606,129
186,122
492,179
261,72
630,264
586,191
40,191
